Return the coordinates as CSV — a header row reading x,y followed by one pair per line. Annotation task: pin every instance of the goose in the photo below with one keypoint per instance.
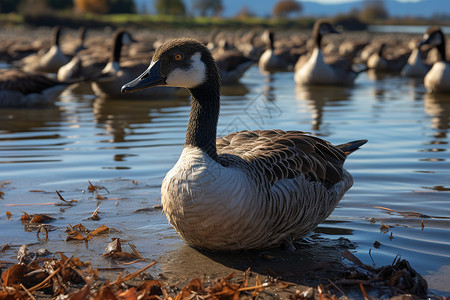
x,y
249,189
415,67
380,62
270,61
28,89
51,61
117,74
315,70
72,48
438,78
232,63
88,64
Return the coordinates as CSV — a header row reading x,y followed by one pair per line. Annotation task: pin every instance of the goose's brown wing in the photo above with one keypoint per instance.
x,y
25,82
284,154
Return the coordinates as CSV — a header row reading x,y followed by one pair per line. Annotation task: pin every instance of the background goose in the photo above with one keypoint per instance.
x,y
249,189
415,67
438,78
380,62
231,62
315,70
51,61
117,74
73,47
270,61
89,63
28,89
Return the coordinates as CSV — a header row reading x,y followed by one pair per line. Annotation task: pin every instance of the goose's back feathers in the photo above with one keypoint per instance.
x,y
27,89
277,154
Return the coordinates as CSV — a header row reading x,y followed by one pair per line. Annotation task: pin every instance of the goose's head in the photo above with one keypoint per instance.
x,y
180,63
435,37
321,28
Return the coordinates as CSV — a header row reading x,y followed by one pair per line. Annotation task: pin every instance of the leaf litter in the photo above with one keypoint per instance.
x,y
36,275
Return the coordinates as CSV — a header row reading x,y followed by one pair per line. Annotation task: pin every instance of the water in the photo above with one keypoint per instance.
x,y
417,29
127,146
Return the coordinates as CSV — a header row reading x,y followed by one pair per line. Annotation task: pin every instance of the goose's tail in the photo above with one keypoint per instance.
x,y
350,147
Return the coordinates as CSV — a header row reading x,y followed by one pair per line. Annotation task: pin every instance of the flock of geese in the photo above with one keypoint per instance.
x,y
249,189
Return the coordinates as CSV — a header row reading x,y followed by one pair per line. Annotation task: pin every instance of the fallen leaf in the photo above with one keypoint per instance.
x,y
74,235
41,218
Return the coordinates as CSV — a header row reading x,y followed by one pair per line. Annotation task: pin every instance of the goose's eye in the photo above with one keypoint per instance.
x,y
178,57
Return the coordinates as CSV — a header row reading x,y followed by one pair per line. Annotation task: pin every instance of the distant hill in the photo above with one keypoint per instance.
x,y
263,8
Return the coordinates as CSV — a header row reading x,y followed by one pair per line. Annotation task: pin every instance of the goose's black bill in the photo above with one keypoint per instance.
x,y
150,78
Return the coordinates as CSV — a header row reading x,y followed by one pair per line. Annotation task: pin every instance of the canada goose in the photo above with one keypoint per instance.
x,y
379,62
117,74
51,61
88,64
270,61
415,67
249,189
71,49
231,62
438,78
28,89
316,70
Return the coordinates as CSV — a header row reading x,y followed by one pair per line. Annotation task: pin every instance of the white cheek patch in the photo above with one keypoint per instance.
x,y
188,78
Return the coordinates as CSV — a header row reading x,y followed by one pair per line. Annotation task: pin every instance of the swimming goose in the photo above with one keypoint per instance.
x,y
73,47
270,61
88,64
380,62
415,67
249,189
51,61
316,70
28,89
231,62
117,74
438,78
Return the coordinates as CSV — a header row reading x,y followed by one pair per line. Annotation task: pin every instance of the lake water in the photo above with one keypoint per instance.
x,y
127,146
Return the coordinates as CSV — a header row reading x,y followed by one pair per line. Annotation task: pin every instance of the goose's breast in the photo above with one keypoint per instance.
x,y
315,71
438,78
206,202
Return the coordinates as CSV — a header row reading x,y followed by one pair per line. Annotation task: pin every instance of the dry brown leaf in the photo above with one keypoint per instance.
x,y
14,275
384,228
129,294
100,230
25,216
41,218
74,235
82,294
8,215
105,292
113,246
91,187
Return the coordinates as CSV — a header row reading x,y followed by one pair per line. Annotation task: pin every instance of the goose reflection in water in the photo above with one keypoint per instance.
x,y
438,106
119,116
317,99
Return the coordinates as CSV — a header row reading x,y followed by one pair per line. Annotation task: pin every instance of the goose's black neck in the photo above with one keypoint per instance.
x,y
205,106
317,38
117,47
441,48
56,35
271,41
